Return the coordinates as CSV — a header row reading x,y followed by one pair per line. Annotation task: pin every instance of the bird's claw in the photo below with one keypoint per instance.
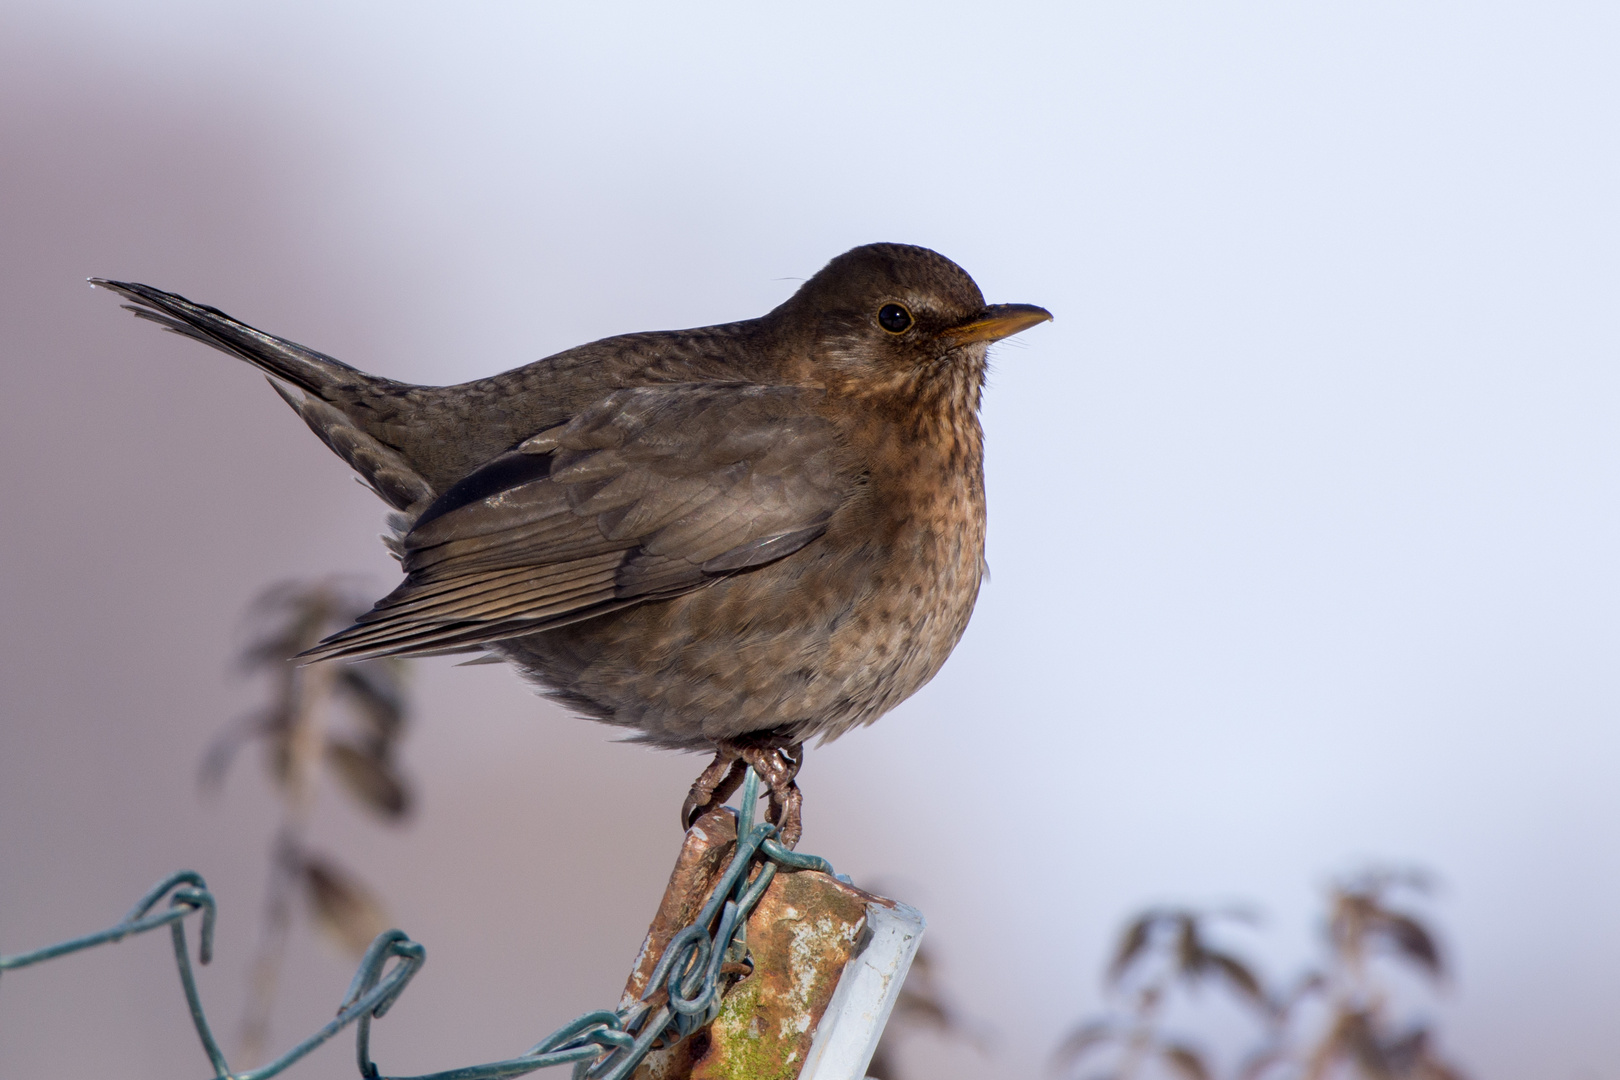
x,y
777,767
713,786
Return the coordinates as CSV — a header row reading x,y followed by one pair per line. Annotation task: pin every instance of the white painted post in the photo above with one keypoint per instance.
x,y
849,1030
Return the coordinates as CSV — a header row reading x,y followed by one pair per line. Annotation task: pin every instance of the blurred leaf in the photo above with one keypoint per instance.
x,y
291,616
222,748
1413,940
376,691
344,909
1167,953
369,779
881,1067
1189,942
1131,943
1081,1041
1358,1041
1348,919
922,963
1241,978
1184,1061
923,1010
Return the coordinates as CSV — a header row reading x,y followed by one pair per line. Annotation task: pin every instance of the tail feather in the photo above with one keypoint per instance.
x,y
381,467
283,359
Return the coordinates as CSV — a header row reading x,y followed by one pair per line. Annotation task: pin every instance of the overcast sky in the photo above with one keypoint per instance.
x,y
1303,512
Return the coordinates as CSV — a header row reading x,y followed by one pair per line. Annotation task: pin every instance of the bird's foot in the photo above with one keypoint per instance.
x,y
776,766
714,784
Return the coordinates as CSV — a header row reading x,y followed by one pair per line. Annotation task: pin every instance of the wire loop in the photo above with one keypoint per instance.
x,y
601,1045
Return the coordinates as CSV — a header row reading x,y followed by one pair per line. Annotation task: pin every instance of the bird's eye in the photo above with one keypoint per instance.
x,y
894,318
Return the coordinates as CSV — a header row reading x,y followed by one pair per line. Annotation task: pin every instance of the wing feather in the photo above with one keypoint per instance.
x,y
649,493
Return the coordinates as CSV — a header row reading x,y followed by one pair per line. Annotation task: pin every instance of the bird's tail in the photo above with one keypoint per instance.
x,y
277,357
383,468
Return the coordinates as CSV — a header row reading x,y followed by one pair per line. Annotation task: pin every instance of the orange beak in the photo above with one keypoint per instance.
x,y
996,322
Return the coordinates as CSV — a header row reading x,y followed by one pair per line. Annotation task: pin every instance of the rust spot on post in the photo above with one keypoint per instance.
x,y
703,857
801,936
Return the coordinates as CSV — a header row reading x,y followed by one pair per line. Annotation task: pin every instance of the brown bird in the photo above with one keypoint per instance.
x,y
730,538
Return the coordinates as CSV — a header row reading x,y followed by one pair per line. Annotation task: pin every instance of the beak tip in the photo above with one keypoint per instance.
x,y
1000,321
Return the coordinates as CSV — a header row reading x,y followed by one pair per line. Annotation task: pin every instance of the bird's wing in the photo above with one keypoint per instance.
x,y
649,493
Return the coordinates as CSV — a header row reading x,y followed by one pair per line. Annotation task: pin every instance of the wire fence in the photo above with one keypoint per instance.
x,y
600,1045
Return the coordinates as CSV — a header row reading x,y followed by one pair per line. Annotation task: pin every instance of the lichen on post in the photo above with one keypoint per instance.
x,y
803,938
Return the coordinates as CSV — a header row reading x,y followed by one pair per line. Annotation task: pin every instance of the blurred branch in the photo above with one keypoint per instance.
x,y
1161,952
300,729
1353,1031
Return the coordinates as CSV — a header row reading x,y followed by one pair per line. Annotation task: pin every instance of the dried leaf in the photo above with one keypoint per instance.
x,y
1131,944
1414,941
375,689
1358,1041
344,909
1185,1061
370,779
1241,978
922,1010
1189,943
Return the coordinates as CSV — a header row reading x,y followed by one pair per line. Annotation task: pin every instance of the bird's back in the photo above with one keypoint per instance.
x,y
446,432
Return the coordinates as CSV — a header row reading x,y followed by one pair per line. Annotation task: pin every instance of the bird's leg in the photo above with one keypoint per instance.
x,y
778,766
714,784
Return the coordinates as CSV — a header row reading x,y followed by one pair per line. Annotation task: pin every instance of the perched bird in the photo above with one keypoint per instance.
x,y
728,539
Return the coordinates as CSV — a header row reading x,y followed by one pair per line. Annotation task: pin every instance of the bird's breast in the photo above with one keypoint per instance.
x,y
825,639
916,534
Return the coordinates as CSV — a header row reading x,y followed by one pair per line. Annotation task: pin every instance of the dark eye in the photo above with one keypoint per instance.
x,y
894,318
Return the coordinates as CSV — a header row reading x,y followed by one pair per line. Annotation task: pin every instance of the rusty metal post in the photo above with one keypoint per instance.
x,y
827,963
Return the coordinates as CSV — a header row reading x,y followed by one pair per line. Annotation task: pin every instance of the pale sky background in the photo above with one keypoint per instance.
x,y
1304,513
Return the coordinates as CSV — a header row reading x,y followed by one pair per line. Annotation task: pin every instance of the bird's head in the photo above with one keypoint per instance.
x,y
887,318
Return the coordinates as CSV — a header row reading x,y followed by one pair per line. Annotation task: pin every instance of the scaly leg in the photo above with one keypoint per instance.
x,y
778,767
714,784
